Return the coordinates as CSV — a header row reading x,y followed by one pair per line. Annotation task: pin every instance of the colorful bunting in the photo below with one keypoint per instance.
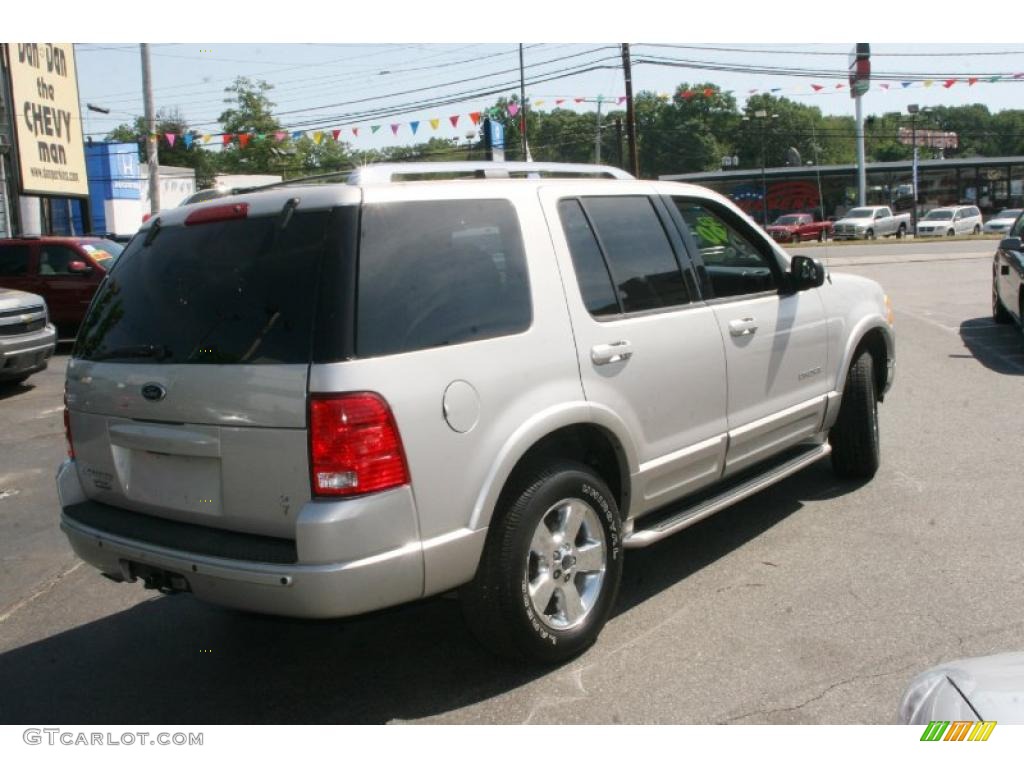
x,y
414,126
355,131
434,123
226,139
475,117
928,83
296,135
621,99
188,138
395,127
336,133
905,83
816,87
170,138
971,80
884,86
949,83
559,102
243,140
687,94
374,128
318,136
513,110
709,92
455,121
281,135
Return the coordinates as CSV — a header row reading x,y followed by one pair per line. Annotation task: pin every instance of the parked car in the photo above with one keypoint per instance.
x,y
66,271
1002,221
1008,277
796,227
319,400
27,339
950,221
871,222
974,694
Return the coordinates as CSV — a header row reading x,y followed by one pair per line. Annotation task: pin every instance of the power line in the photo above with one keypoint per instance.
x,y
874,54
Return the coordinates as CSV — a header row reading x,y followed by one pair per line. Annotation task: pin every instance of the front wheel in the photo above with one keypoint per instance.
x,y
901,232
951,233
550,572
870,234
977,229
854,437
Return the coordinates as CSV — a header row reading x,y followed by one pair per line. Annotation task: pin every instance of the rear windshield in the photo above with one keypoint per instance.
x,y
238,291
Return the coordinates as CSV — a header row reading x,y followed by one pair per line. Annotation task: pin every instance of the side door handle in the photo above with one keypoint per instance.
x,y
616,352
744,327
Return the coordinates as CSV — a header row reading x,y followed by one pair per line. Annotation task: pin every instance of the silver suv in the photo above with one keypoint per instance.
x,y
27,338
323,399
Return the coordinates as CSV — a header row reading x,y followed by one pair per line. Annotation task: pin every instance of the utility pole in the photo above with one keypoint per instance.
x,y
151,139
913,109
634,160
522,105
862,183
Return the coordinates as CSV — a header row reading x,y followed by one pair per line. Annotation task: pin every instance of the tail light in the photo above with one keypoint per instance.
x,y
354,445
67,429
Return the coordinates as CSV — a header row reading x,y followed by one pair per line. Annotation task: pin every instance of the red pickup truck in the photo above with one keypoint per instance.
x,y
795,227
65,271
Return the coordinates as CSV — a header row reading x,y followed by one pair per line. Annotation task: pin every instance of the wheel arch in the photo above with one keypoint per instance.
x,y
875,336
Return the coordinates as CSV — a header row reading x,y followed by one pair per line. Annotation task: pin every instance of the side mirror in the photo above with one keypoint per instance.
x,y
805,272
79,268
1010,244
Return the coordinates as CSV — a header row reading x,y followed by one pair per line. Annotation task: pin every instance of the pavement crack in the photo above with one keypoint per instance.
x,y
42,591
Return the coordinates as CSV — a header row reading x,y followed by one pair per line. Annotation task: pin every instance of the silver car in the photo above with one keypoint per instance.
x,y
27,338
321,399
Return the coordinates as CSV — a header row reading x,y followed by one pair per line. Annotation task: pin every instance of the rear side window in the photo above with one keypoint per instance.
x,y
636,250
13,260
440,272
240,291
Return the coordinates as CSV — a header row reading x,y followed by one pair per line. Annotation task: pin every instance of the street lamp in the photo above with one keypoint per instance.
x,y
762,117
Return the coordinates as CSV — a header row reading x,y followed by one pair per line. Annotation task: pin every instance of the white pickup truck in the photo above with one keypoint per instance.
x,y
870,222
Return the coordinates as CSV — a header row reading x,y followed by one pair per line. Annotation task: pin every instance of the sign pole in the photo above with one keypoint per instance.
x,y
861,170
151,138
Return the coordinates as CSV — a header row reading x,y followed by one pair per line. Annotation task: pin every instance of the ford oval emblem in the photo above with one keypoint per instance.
x,y
153,391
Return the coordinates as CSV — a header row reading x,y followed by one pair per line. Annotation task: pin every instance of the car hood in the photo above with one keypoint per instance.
x,y
12,299
994,686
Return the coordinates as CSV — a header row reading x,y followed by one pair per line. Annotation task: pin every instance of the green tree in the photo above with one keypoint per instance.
x,y
180,155
250,112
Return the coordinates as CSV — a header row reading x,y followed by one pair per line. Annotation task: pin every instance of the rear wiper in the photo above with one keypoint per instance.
x,y
156,351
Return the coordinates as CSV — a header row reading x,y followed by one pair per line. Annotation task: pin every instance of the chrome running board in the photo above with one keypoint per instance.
x,y
690,513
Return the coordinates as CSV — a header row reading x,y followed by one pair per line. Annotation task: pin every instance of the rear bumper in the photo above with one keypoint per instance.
x,y
309,588
26,354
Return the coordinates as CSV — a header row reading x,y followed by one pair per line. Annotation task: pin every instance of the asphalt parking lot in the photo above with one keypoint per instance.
x,y
813,602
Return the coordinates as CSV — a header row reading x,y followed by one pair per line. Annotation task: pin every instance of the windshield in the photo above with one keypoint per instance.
x,y
861,213
105,252
939,215
237,291
1009,213
787,220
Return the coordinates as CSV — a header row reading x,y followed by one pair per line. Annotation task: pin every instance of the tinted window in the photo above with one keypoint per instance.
x,y
14,260
435,273
226,292
640,259
735,265
591,272
54,259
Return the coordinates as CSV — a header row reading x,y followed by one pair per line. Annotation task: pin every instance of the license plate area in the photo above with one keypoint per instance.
x,y
169,481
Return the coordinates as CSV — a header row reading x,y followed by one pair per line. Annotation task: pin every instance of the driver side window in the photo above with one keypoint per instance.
x,y
734,264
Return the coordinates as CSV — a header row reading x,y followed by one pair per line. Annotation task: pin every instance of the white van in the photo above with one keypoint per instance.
x,y
950,221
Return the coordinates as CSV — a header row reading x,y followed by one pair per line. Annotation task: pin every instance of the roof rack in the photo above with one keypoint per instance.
x,y
387,172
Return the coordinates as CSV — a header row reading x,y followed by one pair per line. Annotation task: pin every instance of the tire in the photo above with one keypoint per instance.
x,y
999,313
571,597
951,233
901,232
870,234
854,437
977,229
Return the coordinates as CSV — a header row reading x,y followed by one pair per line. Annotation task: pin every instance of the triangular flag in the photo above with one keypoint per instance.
x,y
664,96
621,99
709,92
972,80
884,86
207,138
578,99
355,131
559,101
1018,76
226,138
296,135
475,117
434,123
414,126
839,86
261,136
905,83
318,136
949,83
513,110
928,83
336,133
454,120
395,127
281,135
374,128
776,90
539,103
243,140
816,87
687,94
994,79
170,138
752,90
188,138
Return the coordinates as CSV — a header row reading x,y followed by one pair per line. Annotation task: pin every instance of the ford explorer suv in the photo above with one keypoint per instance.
x,y
871,222
66,271
27,339
322,399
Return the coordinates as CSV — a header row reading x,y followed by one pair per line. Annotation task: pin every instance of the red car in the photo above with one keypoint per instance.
x,y
65,271
795,227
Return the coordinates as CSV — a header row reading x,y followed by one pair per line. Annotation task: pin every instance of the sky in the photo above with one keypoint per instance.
x,y
422,56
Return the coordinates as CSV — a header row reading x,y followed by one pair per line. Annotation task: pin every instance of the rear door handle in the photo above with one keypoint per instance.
x,y
616,352
744,327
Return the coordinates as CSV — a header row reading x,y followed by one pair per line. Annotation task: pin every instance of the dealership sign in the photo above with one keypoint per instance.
x,y
47,119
